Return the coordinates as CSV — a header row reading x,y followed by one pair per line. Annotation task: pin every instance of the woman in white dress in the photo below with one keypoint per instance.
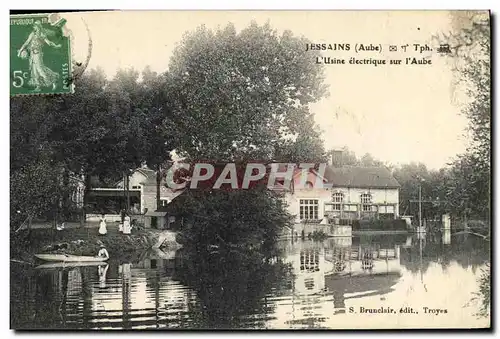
x,y
102,226
126,225
122,219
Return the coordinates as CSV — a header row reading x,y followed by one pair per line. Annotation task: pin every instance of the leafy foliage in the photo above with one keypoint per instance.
x,y
102,131
240,95
226,96
484,293
253,218
35,191
470,173
237,97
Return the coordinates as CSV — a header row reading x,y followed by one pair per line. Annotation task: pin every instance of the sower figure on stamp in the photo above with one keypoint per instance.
x,y
40,75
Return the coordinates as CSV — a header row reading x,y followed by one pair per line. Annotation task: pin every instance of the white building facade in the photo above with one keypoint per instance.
x,y
350,193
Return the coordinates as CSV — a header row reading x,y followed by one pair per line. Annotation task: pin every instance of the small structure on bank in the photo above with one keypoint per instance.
x,y
156,219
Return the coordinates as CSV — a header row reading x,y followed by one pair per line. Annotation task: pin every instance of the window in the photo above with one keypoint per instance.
x,y
308,209
136,187
366,200
309,261
338,198
309,283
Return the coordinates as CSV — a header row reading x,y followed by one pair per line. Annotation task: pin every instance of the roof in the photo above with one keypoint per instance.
x,y
151,180
147,172
155,214
361,177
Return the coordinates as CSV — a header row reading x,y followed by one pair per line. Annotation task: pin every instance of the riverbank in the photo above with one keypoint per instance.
x,y
82,241
376,232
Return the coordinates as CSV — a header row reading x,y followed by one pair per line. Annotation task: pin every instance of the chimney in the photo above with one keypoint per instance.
x,y
337,158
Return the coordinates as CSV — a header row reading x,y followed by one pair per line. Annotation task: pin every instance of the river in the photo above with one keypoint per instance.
x,y
306,285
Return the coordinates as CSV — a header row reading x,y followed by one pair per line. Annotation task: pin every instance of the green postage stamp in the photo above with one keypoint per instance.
x,y
40,56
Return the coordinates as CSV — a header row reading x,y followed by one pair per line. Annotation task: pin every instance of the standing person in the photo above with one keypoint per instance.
x,y
126,224
122,220
102,226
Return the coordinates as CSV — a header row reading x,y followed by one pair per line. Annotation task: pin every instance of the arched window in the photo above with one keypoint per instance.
x,y
338,199
366,201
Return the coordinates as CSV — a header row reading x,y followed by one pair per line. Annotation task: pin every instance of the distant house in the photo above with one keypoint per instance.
x,y
149,193
137,178
141,190
350,193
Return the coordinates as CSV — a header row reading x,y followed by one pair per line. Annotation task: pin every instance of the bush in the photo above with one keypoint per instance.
x,y
310,221
247,218
379,225
355,225
318,236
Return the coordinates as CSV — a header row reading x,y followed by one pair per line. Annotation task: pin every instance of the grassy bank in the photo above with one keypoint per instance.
x,y
80,241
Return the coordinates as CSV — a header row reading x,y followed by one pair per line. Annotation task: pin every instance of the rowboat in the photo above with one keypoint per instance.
x,y
70,264
69,258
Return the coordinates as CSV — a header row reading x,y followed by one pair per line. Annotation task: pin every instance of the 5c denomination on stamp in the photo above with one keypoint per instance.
x,y
40,56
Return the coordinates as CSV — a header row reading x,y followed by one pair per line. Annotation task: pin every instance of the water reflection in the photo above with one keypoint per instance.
x,y
304,285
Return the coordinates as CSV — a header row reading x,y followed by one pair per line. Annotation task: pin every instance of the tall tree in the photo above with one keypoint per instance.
x,y
238,95
471,48
160,140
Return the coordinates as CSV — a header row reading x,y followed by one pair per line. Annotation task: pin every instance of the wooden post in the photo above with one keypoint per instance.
x,y
158,184
128,193
124,189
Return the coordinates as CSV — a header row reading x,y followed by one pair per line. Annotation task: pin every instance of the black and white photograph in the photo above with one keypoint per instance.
x,y
250,170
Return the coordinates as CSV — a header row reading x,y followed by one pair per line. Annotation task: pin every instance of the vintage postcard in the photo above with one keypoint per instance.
x,y
258,170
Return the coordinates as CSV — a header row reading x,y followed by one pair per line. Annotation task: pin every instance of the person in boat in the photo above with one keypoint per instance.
x,y
126,225
60,227
103,253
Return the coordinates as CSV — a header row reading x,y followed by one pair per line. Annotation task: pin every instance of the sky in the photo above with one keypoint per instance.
x,y
399,114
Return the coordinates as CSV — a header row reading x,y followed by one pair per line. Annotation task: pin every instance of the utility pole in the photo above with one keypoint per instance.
x,y
128,191
420,205
124,189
